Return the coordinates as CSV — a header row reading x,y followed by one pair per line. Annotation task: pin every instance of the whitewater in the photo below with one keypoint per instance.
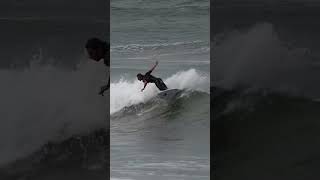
x,y
44,103
125,93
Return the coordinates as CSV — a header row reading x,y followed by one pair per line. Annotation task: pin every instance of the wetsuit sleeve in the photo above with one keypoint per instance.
x,y
106,61
148,73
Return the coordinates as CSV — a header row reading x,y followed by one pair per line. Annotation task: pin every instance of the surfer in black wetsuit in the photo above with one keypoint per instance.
x,y
97,50
148,78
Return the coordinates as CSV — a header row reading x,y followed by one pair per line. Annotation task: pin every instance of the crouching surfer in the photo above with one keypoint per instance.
x,y
148,78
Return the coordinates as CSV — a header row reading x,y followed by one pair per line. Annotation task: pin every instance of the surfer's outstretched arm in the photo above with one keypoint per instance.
x,y
104,88
150,71
145,84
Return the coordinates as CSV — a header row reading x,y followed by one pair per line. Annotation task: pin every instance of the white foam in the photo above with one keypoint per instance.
x,y
45,103
128,92
259,58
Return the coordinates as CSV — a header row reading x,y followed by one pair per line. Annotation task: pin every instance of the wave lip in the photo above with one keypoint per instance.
x,y
261,59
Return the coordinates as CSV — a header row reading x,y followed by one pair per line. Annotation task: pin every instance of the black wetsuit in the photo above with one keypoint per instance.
x,y
157,81
106,62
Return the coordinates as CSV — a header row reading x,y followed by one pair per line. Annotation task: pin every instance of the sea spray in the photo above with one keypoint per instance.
x,y
45,103
260,59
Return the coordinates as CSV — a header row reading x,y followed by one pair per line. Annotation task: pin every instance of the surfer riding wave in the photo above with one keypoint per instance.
x,y
148,78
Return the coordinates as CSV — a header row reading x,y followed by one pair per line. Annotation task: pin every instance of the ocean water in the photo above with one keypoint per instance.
x,y
265,93
153,138
53,122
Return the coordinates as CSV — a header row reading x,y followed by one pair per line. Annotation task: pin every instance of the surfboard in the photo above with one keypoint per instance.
x,y
169,93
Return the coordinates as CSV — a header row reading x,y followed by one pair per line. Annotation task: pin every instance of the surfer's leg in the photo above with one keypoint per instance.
x,y
161,85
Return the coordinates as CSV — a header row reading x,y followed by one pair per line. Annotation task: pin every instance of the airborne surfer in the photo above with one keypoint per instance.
x,y
97,50
148,78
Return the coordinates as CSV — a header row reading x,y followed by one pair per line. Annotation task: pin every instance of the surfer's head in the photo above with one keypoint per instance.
x,y
139,76
96,48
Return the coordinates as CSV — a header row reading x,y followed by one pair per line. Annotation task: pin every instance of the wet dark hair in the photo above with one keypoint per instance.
x,y
95,43
139,76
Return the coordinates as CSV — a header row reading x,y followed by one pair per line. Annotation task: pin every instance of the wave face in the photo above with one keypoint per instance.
x,y
45,104
157,134
80,156
258,129
265,99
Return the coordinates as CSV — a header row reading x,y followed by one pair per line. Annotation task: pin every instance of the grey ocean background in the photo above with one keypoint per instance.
x,y
265,76
52,121
154,138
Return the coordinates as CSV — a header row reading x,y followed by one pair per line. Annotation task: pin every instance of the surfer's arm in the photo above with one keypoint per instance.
x,y
104,88
150,71
145,84
106,62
